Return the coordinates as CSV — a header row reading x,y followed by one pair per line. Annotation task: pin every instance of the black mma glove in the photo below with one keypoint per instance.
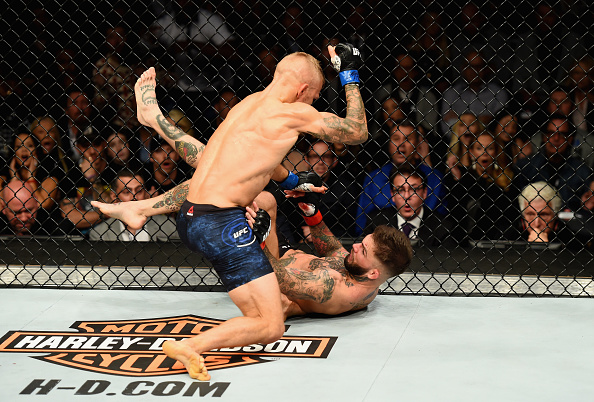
x,y
302,181
262,225
347,62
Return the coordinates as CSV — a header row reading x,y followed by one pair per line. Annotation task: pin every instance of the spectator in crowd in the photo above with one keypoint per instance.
x,y
88,181
409,191
540,204
402,147
475,92
23,212
216,114
391,112
201,44
481,196
464,133
474,30
289,32
557,103
26,166
431,47
587,197
515,142
128,186
580,84
65,72
581,92
338,204
330,97
77,119
165,169
106,80
416,100
120,151
544,55
257,72
556,163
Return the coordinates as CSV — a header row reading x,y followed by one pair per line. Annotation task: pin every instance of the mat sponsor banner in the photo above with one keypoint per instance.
x,y
133,347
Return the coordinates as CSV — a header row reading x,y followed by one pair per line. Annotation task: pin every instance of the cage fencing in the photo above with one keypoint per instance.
x,y
480,117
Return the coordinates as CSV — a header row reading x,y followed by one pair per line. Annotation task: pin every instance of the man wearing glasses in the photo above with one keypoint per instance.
x,y
556,162
420,224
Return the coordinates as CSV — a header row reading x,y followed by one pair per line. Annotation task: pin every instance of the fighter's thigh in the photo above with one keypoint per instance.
x,y
259,298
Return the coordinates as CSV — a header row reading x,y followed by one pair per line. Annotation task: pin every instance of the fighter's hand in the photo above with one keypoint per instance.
x,y
346,59
260,222
250,214
309,182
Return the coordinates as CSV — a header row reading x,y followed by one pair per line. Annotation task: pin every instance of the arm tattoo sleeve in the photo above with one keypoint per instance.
x,y
337,129
316,285
325,243
169,129
174,198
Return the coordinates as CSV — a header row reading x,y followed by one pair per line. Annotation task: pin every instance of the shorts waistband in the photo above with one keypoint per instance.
x,y
204,209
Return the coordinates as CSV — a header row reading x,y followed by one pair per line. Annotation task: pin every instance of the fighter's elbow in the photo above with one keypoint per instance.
x,y
359,136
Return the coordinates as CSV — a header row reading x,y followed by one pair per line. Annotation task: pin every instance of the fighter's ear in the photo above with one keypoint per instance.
x,y
373,273
301,90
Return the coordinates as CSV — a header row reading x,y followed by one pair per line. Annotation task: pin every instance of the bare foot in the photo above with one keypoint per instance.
x,y
122,211
146,98
193,361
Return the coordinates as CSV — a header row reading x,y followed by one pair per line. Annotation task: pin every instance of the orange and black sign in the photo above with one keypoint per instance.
x,y
133,347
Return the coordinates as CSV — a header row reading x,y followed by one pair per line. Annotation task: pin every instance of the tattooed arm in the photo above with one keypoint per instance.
x,y
351,130
325,243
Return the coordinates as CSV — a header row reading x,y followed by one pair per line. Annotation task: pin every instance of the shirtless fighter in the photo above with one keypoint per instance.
x,y
236,164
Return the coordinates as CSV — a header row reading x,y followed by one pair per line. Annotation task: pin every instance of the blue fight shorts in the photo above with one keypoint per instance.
x,y
223,236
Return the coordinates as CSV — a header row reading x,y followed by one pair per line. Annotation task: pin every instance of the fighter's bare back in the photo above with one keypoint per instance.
x,y
258,129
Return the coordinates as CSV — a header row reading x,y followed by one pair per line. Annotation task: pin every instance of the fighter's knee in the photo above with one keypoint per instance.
x,y
274,331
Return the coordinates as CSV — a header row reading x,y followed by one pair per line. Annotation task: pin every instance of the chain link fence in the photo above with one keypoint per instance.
x,y
480,116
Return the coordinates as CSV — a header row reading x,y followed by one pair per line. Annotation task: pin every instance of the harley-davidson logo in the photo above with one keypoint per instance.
x,y
133,348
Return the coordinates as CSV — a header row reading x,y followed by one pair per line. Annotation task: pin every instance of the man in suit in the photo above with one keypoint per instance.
x,y
128,186
409,191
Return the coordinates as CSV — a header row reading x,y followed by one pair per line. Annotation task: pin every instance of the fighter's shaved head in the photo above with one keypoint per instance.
x,y
302,66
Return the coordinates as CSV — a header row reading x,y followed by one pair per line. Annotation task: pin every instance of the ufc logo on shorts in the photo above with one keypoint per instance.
x,y
240,232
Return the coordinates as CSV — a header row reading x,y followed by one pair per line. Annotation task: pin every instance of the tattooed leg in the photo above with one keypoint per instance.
x,y
149,114
146,99
135,213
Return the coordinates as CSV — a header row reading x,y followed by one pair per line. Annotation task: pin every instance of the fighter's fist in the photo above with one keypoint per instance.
x,y
308,204
262,225
346,59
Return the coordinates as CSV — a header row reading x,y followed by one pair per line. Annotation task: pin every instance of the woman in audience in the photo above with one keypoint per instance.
x,y
25,165
464,133
482,198
515,142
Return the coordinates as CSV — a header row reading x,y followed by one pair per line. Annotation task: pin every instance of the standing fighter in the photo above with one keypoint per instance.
x,y
237,163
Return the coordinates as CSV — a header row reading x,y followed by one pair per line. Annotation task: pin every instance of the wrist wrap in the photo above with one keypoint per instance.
x,y
314,219
349,77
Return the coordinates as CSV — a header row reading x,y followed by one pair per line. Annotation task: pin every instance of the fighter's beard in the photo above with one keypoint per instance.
x,y
352,268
